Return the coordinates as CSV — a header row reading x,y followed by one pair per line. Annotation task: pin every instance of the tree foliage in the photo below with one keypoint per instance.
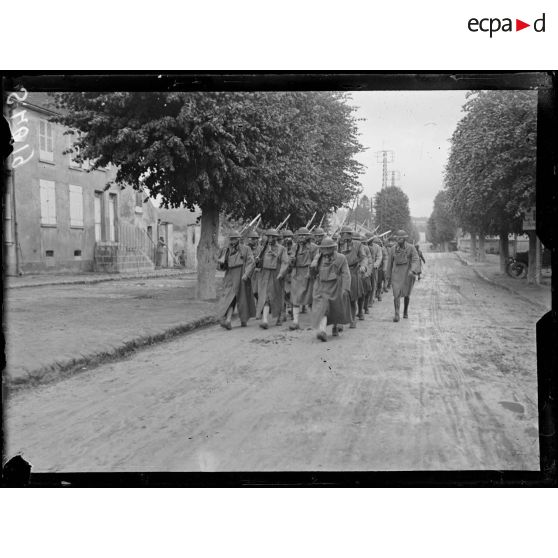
x,y
243,153
490,174
392,209
441,225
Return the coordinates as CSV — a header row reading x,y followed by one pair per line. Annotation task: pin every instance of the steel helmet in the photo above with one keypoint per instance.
x,y
303,231
328,242
401,234
272,232
346,229
319,232
234,234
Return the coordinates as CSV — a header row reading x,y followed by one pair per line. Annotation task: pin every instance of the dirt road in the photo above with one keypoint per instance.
x,y
452,387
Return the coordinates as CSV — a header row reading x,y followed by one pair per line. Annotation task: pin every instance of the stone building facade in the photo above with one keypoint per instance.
x,y
59,215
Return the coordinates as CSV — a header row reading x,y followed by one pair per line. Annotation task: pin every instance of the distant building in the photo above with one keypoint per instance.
x,y
186,233
61,218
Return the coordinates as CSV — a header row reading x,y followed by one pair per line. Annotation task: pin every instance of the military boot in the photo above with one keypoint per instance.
x,y
396,304
406,307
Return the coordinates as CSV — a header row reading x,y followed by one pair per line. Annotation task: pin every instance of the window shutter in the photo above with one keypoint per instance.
x,y
76,206
50,139
42,135
48,202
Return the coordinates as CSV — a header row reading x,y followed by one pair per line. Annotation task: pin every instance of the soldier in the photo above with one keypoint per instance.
x,y
287,242
273,263
421,259
301,282
332,285
253,242
319,235
356,259
402,268
380,285
377,257
238,263
366,282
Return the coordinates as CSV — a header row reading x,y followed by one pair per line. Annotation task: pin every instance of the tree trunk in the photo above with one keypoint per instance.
x,y
504,251
207,253
474,245
482,249
532,269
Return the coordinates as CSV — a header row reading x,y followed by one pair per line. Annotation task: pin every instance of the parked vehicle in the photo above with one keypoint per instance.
x,y
517,266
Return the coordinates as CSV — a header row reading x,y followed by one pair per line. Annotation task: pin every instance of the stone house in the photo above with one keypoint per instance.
x,y
59,215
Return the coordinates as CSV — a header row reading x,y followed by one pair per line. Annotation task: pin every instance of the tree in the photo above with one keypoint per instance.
x,y
238,153
392,209
362,214
413,232
441,225
490,174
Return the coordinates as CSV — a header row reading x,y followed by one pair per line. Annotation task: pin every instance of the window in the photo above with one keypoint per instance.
x,y
76,206
46,141
48,202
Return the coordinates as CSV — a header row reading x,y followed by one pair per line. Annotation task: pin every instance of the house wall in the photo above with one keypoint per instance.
x,y
64,240
187,238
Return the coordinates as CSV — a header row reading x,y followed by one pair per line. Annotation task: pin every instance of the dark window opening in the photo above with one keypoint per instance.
x,y
50,253
77,252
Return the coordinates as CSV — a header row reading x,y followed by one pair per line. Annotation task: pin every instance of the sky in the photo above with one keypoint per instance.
x,y
417,126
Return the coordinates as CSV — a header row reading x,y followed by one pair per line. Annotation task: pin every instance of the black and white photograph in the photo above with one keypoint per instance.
x,y
270,280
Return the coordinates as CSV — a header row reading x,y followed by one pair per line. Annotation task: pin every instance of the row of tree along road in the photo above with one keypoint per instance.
x,y
490,174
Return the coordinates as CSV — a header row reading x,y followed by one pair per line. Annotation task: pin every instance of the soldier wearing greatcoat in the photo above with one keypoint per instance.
x,y
332,285
377,257
238,263
402,269
357,260
273,263
301,282
421,259
366,280
380,282
287,242
253,242
319,235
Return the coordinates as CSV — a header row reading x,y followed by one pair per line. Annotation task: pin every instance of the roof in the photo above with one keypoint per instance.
x,y
42,100
179,217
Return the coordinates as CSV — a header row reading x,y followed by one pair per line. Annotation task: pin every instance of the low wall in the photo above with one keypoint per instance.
x,y
492,246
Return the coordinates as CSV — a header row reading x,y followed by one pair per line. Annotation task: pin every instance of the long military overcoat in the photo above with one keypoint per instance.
x,y
301,281
271,288
331,290
356,257
367,278
239,263
401,262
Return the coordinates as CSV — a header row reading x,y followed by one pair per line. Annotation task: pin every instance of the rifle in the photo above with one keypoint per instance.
x,y
321,221
283,223
313,227
384,234
252,222
341,225
310,222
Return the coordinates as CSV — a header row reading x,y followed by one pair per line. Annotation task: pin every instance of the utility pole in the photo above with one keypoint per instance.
x,y
385,156
395,176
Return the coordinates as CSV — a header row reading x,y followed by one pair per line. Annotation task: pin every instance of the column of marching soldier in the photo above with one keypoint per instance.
x,y
339,278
